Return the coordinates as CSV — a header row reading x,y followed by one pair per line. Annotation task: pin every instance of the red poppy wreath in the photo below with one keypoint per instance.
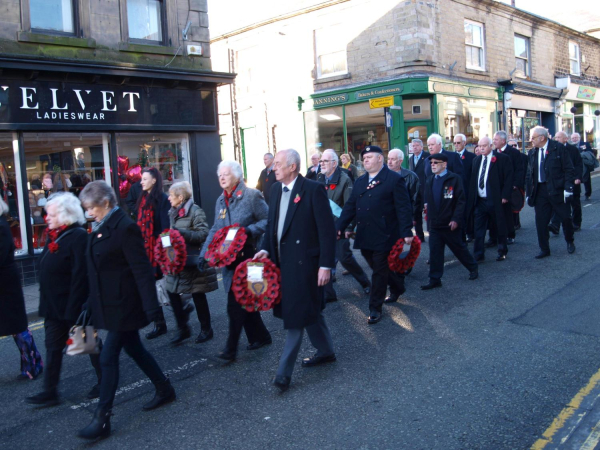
x,y
261,291
221,251
171,259
401,265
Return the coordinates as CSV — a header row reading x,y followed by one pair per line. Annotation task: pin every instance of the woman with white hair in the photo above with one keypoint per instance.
x,y
63,289
13,318
246,207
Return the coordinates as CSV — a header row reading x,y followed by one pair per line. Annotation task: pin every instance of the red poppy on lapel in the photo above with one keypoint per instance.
x,y
493,159
547,152
238,194
53,247
181,212
297,199
332,186
462,157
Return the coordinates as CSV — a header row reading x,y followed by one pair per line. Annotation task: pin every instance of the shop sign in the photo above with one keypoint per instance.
x,y
586,93
382,102
31,104
378,92
326,101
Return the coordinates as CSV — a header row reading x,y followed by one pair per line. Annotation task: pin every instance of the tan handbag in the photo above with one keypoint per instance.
x,y
83,338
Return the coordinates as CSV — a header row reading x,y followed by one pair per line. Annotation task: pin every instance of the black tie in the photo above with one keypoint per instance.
x,y
482,176
285,189
542,171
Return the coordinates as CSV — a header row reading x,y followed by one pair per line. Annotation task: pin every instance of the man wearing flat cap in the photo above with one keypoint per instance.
x,y
445,201
381,206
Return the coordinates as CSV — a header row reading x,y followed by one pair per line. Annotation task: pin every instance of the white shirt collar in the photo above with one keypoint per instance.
x,y
504,148
291,185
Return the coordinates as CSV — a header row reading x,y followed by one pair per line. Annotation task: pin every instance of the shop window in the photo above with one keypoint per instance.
x,y
146,21
324,129
53,15
574,58
520,124
330,46
522,56
474,45
365,126
475,118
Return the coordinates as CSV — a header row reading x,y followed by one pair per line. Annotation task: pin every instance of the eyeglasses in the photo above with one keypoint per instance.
x,y
459,142
433,163
325,161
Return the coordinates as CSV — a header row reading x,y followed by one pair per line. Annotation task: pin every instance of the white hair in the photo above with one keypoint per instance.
x,y
333,154
182,188
462,137
576,134
502,135
317,153
437,137
68,208
97,193
541,131
3,207
234,166
292,157
397,151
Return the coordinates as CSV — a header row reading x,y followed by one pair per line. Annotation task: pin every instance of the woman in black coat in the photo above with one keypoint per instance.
x,y
63,289
13,318
153,218
122,300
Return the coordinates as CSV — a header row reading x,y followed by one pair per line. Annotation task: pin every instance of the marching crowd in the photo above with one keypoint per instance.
x,y
303,224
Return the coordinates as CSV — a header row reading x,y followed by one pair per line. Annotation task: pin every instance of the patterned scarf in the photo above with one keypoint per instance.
x,y
54,234
146,223
228,196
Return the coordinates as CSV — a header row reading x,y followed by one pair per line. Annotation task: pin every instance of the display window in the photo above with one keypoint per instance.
x,y
10,180
520,123
475,118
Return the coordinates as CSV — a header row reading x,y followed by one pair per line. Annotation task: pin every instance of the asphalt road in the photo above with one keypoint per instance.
x,y
483,364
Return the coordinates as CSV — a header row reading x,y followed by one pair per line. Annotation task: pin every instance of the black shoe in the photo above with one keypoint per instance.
x,y
510,241
491,243
501,257
333,279
422,238
159,330
480,258
257,345
374,317
391,298
282,382
44,399
432,285
587,197
541,255
576,227
99,427
331,300
227,355
317,360
554,230
94,392
204,336
164,394
474,274
181,336
367,290
571,247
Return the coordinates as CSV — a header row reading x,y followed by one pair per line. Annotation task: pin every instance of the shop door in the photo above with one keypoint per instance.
x,y
417,130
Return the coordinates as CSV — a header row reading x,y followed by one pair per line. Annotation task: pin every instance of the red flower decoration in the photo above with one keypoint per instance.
x,y
171,259
297,199
53,247
401,265
268,297
219,256
462,157
332,186
238,194
547,152
493,159
181,212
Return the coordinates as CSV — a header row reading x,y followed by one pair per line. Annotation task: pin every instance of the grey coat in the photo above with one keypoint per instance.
x,y
247,207
194,229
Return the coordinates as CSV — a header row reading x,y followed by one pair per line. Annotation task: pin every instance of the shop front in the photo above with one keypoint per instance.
x,y
60,131
581,113
392,114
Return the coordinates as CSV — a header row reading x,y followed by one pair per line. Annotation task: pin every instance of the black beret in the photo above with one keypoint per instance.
x,y
371,149
439,157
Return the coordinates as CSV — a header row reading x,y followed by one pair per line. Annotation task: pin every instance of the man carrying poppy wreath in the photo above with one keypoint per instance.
x,y
445,202
300,239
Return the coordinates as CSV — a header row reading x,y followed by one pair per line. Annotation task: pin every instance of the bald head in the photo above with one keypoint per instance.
x,y
561,137
485,145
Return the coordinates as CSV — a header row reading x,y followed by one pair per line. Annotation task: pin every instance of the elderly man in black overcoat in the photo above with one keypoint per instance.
x,y
300,239
381,205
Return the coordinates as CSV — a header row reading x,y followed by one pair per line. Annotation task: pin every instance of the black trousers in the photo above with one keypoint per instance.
x,y
575,207
485,215
517,219
202,310
239,318
418,219
438,239
381,276
545,206
588,186
57,333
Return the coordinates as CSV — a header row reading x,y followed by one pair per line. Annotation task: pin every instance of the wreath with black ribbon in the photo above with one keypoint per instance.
x,y
257,295
171,259
401,265
222,252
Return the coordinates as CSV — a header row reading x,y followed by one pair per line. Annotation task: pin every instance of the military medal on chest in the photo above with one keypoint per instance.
x,y
222,213
448,191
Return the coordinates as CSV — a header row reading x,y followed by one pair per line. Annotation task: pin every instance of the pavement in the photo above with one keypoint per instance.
x,y
504,362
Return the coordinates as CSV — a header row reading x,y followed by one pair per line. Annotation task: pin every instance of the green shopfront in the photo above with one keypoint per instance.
x,y
392,114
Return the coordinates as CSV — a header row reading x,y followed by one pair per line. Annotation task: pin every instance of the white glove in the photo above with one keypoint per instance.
x,y
567,195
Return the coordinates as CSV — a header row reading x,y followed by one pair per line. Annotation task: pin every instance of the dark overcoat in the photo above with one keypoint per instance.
x,y
307,243
498,187
383,211
64,277
419,168
467,159
339,187
560,174
265,181
122,283
515,157
455,164
452,203
13,318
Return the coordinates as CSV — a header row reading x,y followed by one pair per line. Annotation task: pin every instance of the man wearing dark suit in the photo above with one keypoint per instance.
x,y
434,144
314,170
584,147
445,201
518,199
488,193
300,239
382,208
267,177
550,181
466,157
416,163
575,203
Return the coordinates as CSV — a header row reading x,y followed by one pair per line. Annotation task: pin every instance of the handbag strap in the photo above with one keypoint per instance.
x,y
83,319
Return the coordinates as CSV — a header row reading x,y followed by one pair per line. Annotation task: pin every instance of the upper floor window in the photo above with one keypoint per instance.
x,y
330,46
522,63
53,15
574,58
146,19
474,45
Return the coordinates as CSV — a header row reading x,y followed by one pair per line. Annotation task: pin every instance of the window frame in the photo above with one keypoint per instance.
x,y
578,59
319,74
527,72
481,25
80,21
163,26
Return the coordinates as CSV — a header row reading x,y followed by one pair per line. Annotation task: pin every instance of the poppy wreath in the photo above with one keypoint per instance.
x,y
221,255
260,296
171,259
401,265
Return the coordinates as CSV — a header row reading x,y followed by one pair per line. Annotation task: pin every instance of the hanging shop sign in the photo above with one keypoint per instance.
x,y
382,102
